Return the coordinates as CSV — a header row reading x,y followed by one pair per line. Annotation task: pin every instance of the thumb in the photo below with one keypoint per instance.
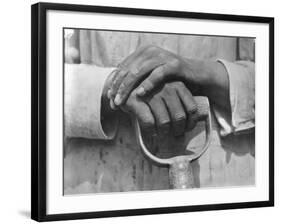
x,y
156,78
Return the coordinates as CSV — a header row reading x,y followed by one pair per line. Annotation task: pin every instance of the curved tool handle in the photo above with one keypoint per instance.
x,y
203,107
180,170
203,114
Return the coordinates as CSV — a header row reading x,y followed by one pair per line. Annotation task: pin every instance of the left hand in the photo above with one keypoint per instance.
x,y
172,109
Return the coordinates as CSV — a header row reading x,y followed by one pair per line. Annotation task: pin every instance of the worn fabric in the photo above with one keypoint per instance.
x,y
241,76
82,96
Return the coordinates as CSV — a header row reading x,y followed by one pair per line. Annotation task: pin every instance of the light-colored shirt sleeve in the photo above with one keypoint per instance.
x,y
83,87
242,98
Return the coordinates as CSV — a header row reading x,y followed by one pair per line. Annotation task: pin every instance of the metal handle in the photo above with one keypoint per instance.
x,y
181,174
180,171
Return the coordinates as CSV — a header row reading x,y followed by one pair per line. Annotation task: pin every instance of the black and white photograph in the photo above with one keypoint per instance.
x,y
170,86
141,111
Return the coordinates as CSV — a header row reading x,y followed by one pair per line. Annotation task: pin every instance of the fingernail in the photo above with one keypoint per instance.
x,y
117,100
109,92
112,105
140,91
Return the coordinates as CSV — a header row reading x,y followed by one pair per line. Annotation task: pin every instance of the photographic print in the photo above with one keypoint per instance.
x,y
140,111
101,151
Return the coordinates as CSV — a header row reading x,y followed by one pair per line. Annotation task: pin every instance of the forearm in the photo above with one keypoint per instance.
x,y
209,79
202,77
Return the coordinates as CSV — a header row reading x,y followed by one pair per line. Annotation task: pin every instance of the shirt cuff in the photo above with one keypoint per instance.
x,y
83,88
242,98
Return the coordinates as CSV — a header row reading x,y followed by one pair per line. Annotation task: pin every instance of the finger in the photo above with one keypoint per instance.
x,y
189,106
161,115
138,72
116,81
129,64
143,113
132,57
112,105
176,111
112,76
156,78
121,71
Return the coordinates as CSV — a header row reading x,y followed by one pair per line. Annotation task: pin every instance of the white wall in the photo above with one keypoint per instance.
x,y
15,110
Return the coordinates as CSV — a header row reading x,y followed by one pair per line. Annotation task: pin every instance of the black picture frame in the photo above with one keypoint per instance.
x,y
38,108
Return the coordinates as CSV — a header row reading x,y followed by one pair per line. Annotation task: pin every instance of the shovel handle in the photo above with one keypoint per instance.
x,y
181,174
203,113
203,107
180,169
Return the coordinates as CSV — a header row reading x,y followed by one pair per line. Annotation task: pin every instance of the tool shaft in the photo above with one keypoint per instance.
x,y
181,174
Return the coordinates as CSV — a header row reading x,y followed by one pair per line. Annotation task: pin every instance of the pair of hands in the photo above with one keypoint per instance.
x,y
141,86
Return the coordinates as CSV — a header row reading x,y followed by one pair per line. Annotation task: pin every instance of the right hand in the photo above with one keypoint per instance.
x,y
171,109
150,65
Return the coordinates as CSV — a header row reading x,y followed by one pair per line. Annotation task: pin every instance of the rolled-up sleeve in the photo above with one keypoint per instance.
x,y
83,87
241,97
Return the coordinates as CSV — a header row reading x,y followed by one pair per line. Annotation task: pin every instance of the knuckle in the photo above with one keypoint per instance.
x,y
133,74
159,71
164,123
192,109
118,77
175,63
147,123
168,89
179,85
176,85
168,85
129,80
162,54
114,83
179,117
122,87
164,93
126,84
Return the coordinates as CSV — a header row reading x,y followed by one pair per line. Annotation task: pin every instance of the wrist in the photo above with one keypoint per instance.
x,y
204,75
194,74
